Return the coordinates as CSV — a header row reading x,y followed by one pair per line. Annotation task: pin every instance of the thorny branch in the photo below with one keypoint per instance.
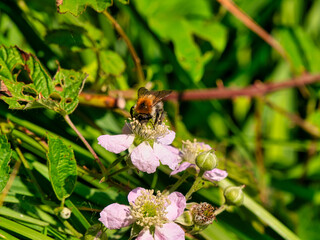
x,y
254,90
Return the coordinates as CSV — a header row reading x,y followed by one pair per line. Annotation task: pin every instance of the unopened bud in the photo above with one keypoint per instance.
x,y
207,161
65,213
234,195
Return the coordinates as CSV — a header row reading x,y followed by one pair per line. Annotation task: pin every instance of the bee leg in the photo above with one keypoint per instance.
x,y
131,111
159,117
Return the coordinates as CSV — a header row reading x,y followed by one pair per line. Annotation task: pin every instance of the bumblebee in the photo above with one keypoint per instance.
x,y
149,106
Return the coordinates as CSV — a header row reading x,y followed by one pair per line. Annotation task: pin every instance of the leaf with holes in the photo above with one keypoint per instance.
x,y
28,85
77,7
5,156
62,167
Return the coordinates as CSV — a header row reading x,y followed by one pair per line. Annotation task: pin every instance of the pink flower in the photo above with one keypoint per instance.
x,y
147,145
152,214
189,152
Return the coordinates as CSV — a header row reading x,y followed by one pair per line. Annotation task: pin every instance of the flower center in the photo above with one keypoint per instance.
x,y
150,210
190,150
203,213
147,131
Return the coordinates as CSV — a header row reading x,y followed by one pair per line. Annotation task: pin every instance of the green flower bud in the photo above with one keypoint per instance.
x,y
207,161
234,195
65,213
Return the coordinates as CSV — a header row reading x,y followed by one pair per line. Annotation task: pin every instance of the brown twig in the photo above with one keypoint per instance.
x,y
257,89
251,24
102,167
133,52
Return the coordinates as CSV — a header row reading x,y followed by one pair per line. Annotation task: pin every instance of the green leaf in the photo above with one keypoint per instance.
x,y
77,7
22,230
112,63
30,86
74,38
163,15
301,49
5,156
62,167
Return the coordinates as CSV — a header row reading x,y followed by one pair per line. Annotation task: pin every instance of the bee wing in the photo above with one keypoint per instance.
x,y
156,96
143,91
159,95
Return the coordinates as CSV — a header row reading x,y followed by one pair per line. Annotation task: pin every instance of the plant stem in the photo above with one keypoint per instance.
x,y
102,167
194,185
132,51
118,171
263,214
185,175
115,162
220,210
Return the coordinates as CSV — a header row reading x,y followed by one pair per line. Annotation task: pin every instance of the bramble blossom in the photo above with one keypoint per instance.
x,y
152,214
148,144
189,152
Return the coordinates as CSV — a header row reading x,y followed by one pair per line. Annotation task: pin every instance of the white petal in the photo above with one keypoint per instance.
x,y
177,205
143,158
215,175
166,156
145,235
134,194
169,231
183,166
116,216
116,143
167,139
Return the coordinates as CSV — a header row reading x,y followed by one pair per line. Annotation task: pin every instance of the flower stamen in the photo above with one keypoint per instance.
x,y
148,131
150,210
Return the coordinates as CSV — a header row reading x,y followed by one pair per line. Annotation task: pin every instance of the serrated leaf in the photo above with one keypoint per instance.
x,y
62,167
77,7
28,85
5,155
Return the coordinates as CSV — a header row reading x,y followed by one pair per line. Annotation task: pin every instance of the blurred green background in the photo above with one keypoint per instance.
x,y
182,45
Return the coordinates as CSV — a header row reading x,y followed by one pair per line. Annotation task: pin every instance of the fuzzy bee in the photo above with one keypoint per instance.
x,y
149,106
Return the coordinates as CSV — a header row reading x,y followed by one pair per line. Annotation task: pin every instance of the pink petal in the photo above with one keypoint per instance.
x,y
169,231
167,139
174,150
177,205
166,156
215,175
204,146
144,158
183,166
116,216
145,235
134,194
116,143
